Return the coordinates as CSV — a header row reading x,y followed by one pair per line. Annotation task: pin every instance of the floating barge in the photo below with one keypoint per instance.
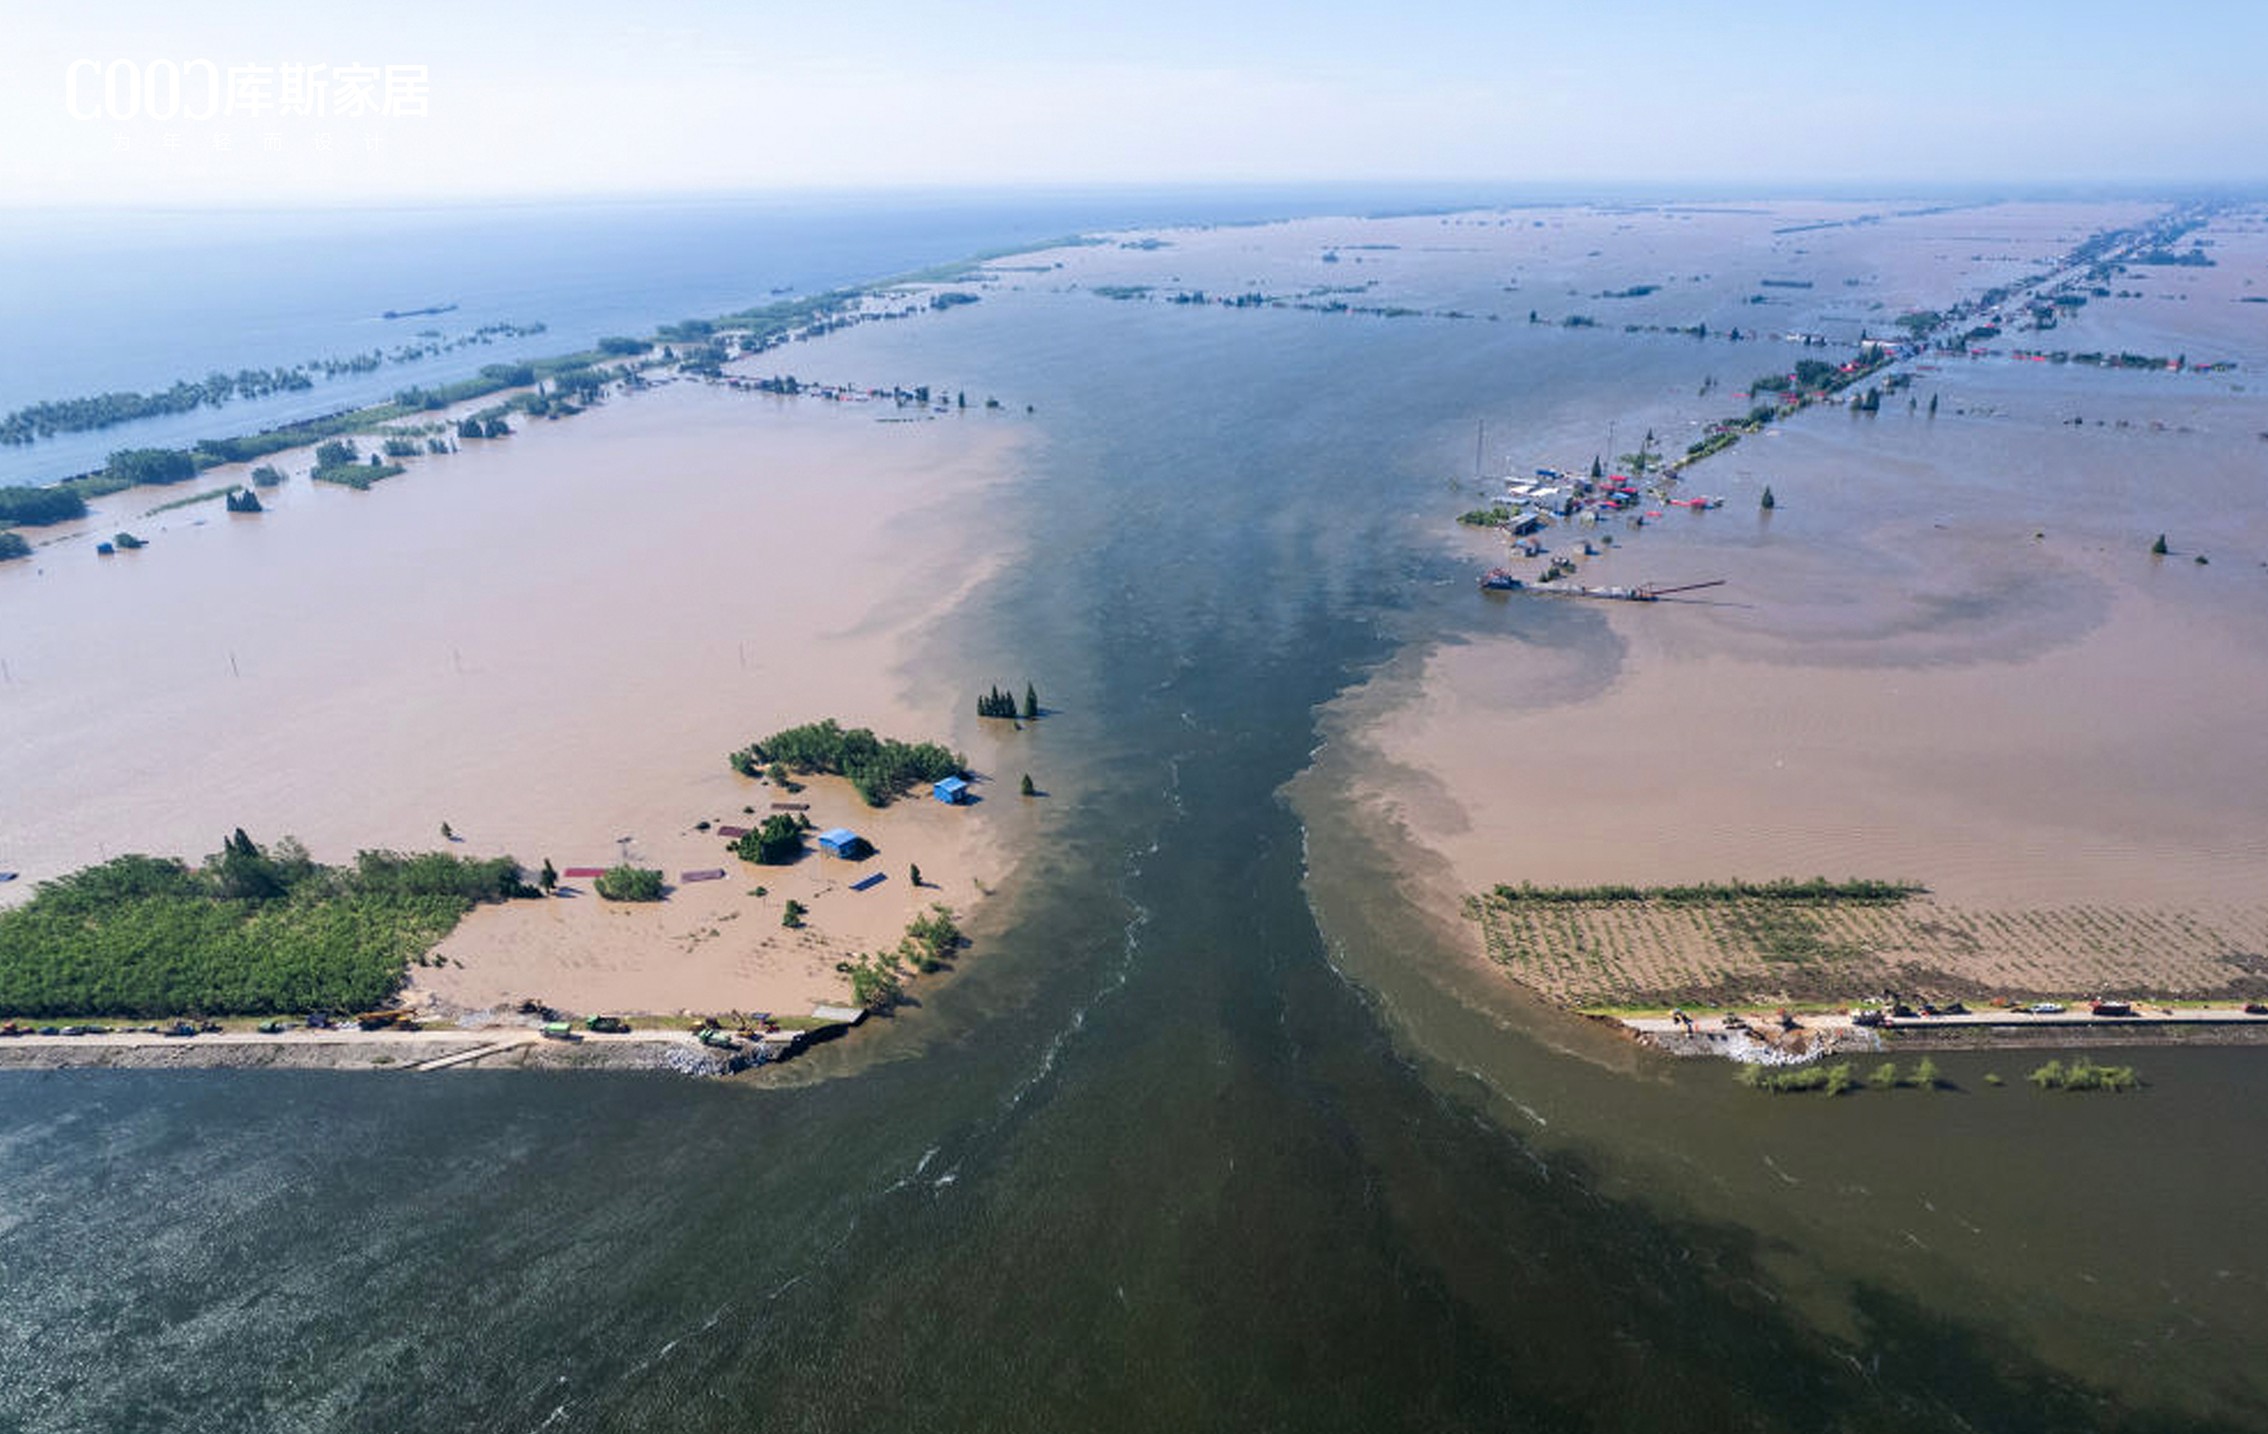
x,y
1498,580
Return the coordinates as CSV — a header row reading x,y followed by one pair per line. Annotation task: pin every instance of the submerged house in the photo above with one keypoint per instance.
x,y
952,791
843,842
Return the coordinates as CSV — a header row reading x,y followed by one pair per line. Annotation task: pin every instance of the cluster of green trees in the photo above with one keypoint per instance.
x,y
767,326
38,507
492,426
509,375
1817,891
84,415
133,467
432,873
931,938
1810,375
492,378
2147,362
189,502
243,500
1495,516
776,841
12,545
251,446
338,461
879,768
582,383
2079,1073
625,882
1811,381
251,930
1919,324
358,476
707,360
998,702
1836,1079
878,980
1887,1076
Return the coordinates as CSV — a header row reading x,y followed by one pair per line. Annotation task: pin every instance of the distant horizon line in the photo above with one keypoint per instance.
x,y
1415,194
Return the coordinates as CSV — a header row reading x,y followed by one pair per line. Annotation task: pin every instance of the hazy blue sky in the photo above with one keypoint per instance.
x,y
645,95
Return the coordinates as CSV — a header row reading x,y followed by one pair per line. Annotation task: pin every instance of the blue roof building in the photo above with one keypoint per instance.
x,y
842,841
952,791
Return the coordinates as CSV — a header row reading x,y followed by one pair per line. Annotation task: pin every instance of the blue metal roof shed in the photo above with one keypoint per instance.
x,y
841,841
952,791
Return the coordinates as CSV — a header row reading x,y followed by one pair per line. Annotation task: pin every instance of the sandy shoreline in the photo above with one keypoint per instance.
x,y
715,946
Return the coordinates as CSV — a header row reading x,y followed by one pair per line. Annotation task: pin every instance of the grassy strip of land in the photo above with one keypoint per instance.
x,y
250,930
190,501
358,476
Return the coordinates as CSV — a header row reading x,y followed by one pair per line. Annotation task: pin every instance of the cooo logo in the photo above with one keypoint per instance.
x,y
127,89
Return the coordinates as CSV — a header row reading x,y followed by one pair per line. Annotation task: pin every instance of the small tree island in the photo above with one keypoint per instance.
x,y
879,768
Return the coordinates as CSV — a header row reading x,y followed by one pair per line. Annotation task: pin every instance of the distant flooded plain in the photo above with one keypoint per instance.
x,y
1227,1125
